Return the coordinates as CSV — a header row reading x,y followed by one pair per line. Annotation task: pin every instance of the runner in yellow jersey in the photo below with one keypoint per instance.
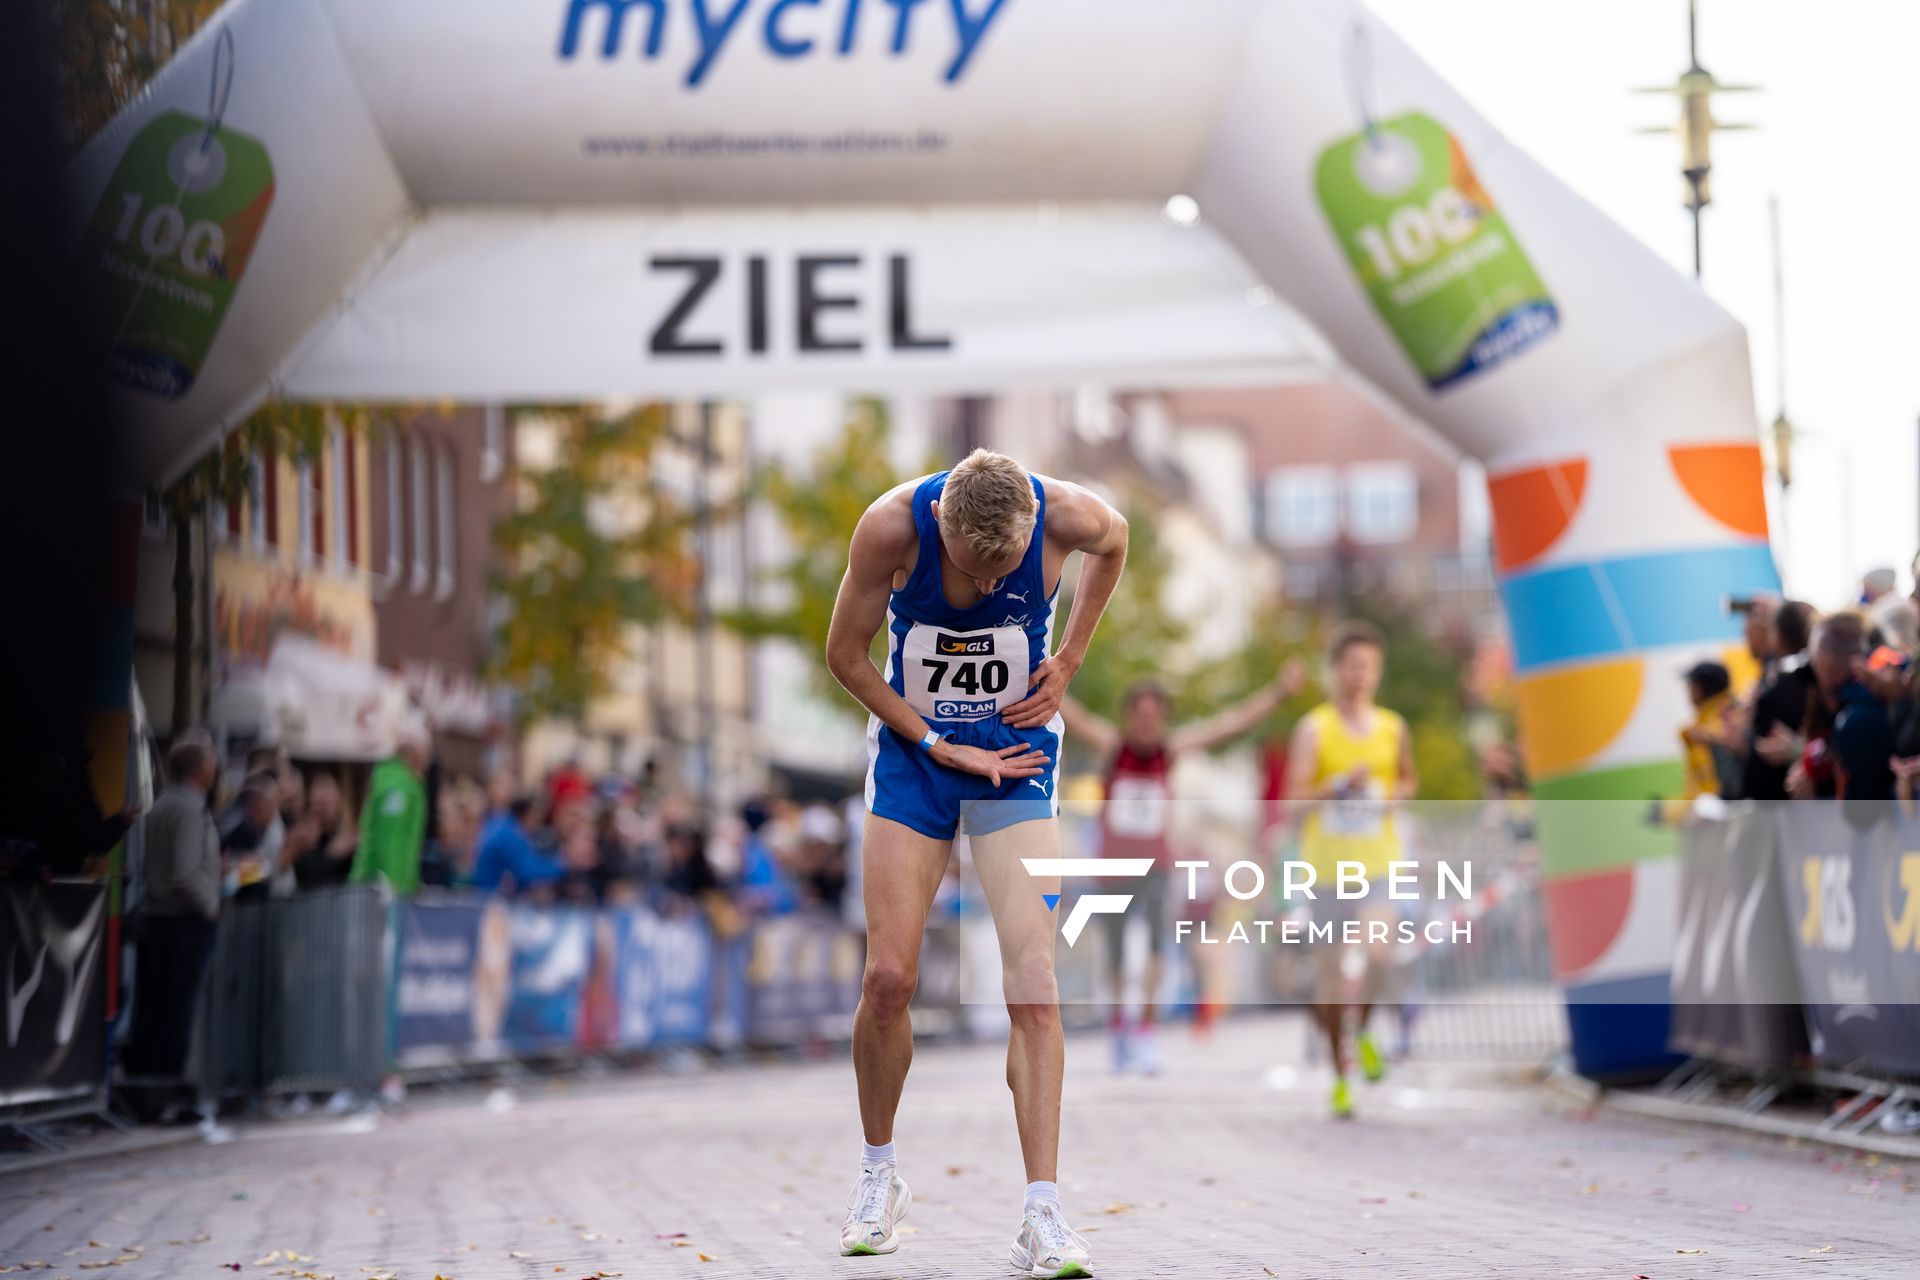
x,y
1349,765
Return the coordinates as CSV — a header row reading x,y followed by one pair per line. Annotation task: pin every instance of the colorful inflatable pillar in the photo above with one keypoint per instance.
x,y
1609,398
1616,566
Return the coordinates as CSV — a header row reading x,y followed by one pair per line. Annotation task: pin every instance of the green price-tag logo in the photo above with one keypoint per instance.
x,y
168,244
1436,257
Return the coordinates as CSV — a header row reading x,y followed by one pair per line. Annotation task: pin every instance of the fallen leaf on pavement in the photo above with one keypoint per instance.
x,y
1270,1271
670,1235
1117,1208
1690,1251
1738,1207
518,1253
706,1257
1825,1248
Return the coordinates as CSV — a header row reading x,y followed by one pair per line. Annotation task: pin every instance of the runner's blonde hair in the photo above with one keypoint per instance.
x,y
988,504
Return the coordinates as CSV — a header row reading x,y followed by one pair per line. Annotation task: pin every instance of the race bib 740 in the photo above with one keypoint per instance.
x,y
963,675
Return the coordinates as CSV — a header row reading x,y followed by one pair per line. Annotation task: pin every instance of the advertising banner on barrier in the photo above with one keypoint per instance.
x,y
662,976
56,964
803,977
1736,991
552,957
437,989
477,978
1853,900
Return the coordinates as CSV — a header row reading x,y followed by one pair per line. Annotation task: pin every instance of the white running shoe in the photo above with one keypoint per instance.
x,y
879,1201
1047,1248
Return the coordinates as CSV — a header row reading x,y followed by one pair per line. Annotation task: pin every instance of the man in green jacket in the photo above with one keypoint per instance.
x,y
393,822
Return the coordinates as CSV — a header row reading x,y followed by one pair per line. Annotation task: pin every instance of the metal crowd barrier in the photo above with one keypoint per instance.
x,y
1494,998
295,999
330,990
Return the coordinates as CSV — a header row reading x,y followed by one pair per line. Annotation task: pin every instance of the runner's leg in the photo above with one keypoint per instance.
x,y
900,872
1036,1049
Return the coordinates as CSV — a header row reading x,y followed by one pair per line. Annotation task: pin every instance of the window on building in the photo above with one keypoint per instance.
x,y
493,448
342,509
443,518
269,492
317,505
417,497
226,521
1383,502
396,520
307,543
256,503
1303,506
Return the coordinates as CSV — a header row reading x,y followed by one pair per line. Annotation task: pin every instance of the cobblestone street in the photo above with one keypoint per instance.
x,y
1226,1166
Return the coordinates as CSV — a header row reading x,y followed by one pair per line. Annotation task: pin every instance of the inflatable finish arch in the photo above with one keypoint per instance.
x,y
571,198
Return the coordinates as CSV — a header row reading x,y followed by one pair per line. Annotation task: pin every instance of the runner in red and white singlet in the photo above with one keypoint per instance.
x,y
1136,819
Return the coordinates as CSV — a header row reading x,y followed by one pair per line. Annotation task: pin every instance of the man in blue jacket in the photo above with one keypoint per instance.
x,y
507,856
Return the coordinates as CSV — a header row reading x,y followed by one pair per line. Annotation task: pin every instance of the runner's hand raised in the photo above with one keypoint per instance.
x,y
1017,761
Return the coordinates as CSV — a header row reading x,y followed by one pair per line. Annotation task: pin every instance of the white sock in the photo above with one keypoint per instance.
x,y
871,1155
1042,1193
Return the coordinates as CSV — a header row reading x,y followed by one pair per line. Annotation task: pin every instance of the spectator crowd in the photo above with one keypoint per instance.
x,y
1811,706
1807,706
576,840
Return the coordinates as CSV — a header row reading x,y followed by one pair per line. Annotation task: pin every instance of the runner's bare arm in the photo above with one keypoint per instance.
x,y
1077,520
1300,757
1409,779
883,542
1224,726
1100,734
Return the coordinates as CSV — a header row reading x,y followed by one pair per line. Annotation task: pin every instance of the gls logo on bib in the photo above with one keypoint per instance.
x,y
965,646
788,28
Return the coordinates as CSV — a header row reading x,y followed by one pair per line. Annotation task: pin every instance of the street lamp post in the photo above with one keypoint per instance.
x,y
1695,128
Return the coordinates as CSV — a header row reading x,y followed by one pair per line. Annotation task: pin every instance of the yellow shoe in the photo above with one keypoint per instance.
x,y
1342,1099
1372,1065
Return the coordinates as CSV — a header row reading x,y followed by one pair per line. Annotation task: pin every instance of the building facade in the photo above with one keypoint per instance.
x,y
439,480
1355,501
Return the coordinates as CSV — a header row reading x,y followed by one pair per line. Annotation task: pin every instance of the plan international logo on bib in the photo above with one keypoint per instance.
x,y
699,31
